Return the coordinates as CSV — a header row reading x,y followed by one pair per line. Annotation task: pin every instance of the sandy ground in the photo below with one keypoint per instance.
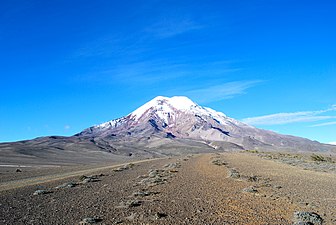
x,y
182,190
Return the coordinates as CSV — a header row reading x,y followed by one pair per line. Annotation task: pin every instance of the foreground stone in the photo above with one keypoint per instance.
x,y
41,192
89,220
301,218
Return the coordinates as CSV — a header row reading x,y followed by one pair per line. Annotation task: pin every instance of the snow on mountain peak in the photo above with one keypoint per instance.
x,y
181,102
166,107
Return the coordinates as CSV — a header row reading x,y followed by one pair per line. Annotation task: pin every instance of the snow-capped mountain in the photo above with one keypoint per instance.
x,y
163,126
175,115
180,118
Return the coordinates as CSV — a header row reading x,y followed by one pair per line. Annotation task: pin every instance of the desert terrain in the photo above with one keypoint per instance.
x,y
227,188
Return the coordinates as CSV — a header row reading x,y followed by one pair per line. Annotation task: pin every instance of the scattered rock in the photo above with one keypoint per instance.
x,y
154,173
234,174
303,223
131,217
252,178
130,204
172,165
250,190
67,185
89,220
133,203
124,167
159,215
87,179
307,218
142,193
41,192
149,182
159,176
218,162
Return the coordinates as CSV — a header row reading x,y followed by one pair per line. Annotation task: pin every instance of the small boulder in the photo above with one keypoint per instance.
x,y
89,220
159,215
218,162
87,179
41,192
234,174
307,218
250,190
133,203
142,193
66,185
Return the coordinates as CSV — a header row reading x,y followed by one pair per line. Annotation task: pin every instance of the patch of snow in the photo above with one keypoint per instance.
x,y
332,143
167,109
165,105
154,103
112,123
181,103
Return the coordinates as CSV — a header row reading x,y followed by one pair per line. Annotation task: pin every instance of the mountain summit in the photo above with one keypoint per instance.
x,y
180,118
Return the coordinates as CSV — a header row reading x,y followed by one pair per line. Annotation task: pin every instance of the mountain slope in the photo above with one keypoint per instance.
x,y
163,126
180,118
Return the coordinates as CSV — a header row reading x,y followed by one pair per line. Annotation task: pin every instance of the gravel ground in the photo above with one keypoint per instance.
x,y
312,191
199,189
304,161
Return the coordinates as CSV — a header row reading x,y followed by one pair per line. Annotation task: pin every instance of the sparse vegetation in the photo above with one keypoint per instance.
x,y
218,162
67,185
233,173
314,161
317,158
124,167
252,151
87,179
320,158
143,193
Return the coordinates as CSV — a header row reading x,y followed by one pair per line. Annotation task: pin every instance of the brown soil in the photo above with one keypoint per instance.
x,y
193,191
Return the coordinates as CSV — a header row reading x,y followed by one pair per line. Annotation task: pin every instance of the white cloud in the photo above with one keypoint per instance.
x,y
169,28
324,124
223,91
332,143
286,118
67,127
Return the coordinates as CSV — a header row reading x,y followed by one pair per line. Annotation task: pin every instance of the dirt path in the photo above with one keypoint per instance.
x,y
202,193
182,190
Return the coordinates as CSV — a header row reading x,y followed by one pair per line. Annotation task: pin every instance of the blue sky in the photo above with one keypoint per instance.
x,y
67,65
